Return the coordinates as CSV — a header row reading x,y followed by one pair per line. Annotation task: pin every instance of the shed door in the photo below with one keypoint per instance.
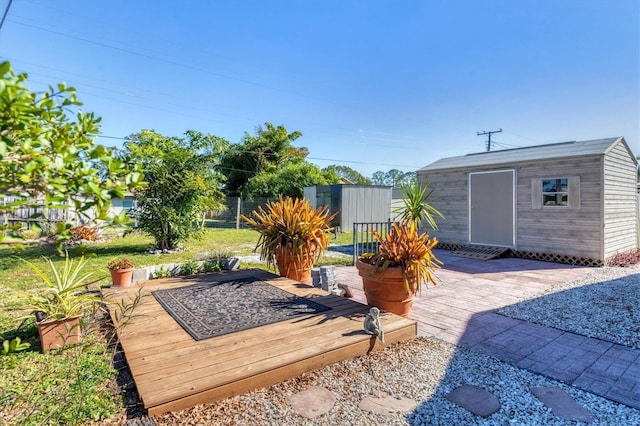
x,y
492,208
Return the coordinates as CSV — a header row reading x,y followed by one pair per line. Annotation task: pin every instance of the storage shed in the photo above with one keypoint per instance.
x,y
354,203
572,202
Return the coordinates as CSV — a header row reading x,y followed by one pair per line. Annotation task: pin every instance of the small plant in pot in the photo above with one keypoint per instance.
x,y
61,302
292,235
121,271
404,261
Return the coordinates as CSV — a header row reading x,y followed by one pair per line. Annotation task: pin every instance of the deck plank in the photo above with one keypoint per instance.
x,y
173,371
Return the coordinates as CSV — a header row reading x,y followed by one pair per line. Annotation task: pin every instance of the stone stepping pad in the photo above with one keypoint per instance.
x,y
312,402
561,404
475,399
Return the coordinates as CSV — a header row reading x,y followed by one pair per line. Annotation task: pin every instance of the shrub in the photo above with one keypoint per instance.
x,y
212,265
190,267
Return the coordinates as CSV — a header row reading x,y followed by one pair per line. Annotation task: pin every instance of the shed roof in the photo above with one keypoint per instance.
x,y
529,153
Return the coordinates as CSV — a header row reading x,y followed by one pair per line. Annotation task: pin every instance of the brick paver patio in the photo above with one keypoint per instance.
x,y
461,310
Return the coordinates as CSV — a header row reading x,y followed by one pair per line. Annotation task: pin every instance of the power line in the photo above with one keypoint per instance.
x,y
489,140
4,15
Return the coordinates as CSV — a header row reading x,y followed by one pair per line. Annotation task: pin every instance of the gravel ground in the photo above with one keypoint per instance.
x,y
604,304
425,370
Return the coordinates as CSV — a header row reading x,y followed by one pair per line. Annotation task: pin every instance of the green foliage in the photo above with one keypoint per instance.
x,y
66,387
190,267
393,177
417,201
211,265
49,160
13,345
65,292
182,185
162,272
291,223
270,147
347,173
288,180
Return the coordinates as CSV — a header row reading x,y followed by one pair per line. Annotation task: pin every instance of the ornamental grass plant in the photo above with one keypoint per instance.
x,y
405,247
292,224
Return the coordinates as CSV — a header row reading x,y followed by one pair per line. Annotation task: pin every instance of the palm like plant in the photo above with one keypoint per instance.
x,y
417,200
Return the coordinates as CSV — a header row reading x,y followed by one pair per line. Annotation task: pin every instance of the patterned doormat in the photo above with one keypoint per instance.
x,y
214,309
479,252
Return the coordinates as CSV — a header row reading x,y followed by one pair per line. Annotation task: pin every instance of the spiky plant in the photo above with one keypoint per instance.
x,y
405,247
293,224
417,199
65,291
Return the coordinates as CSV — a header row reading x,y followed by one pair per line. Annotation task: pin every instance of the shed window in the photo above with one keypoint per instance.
x,y
555,192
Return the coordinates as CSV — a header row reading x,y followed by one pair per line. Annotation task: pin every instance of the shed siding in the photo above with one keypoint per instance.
x,y
451,199
565,231
364,204
575,230
620,201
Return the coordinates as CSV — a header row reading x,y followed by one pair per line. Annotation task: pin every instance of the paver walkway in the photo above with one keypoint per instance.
x,y
461,310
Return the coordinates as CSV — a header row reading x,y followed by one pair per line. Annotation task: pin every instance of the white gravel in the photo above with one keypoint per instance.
x,y
604,304
425,370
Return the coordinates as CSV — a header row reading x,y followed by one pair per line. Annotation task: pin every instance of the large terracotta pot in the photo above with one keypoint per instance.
x,y
58,333
385,289
121,277
294,267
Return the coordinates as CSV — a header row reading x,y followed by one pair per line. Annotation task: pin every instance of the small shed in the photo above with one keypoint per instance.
x,y
572,202
354,203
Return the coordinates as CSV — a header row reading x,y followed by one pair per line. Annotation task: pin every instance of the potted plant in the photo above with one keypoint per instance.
x,y
60,303
121,271
292,235
404,261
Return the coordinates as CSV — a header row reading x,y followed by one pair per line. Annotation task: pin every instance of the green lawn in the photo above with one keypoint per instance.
x,y
77,385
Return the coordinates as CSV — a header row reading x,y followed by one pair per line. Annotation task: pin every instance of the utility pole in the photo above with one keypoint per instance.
x,y
489,133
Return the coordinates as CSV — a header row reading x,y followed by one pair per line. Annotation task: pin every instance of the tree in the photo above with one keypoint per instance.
x,y
288,180
271,146
348,173
393,177
49,160
182,183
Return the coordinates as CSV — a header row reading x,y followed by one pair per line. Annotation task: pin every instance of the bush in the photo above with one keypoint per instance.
x,y
212,265
190,267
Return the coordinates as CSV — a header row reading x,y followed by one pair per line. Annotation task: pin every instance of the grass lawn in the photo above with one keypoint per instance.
x,y
77,385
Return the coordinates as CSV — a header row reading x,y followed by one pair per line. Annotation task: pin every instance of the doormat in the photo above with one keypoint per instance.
x,y
215,309
479,252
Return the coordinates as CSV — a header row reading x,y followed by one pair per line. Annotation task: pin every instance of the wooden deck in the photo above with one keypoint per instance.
x,y
173,372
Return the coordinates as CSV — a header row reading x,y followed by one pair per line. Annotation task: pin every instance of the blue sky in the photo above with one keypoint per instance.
x,y
372,85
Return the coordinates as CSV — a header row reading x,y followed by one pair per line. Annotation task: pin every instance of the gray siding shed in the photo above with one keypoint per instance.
x,y
354,203
599,220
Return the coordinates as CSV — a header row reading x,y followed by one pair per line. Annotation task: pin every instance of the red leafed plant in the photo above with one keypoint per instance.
x,y
405,247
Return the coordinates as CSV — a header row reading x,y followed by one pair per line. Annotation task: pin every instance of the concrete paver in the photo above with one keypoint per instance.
x,y
461,310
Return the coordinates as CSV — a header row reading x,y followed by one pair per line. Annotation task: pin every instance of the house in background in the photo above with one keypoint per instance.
x,y
572,202
354,203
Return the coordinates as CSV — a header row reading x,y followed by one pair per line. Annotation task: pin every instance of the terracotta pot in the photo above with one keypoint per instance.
x,y
385,289
121,277
294,267
58,333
